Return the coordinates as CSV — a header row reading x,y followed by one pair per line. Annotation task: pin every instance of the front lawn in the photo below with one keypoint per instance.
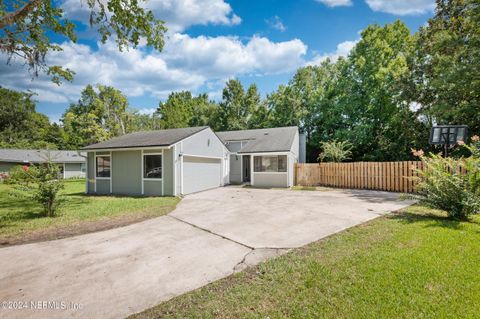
x,y
413,264
22,220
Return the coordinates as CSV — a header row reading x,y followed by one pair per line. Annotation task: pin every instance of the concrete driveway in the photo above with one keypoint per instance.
x,y
210,235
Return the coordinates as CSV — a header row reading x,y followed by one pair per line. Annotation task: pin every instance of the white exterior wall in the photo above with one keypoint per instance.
x,y
202,145
72,170
296,146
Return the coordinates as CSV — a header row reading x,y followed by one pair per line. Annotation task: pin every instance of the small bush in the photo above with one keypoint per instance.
x,y
449,184
40,183
335,151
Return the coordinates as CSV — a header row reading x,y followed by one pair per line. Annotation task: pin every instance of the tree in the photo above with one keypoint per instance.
x,y
15,114
142,122
309,101
237,106
40,183
448,64
204,112
21,126
96,117
375,112
28,26
177,111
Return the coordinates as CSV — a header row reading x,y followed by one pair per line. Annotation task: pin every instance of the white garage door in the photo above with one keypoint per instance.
x,y
200,173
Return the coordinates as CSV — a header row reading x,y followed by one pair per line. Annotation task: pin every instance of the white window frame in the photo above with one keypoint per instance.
x,y
266,154
143,167
95,166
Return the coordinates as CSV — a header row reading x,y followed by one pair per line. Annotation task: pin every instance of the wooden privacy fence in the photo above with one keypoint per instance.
x,y
385,176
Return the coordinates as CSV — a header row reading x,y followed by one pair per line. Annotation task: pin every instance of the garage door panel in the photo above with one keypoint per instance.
x,y
200,174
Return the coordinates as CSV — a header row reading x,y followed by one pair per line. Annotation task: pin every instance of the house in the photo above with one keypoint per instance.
x,y
166,162
72,163
187,160
263,157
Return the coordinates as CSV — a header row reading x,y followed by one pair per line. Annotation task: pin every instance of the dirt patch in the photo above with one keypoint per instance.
x,y
79,228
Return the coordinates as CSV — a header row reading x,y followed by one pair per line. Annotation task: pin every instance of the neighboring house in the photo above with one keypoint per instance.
x,y
263,157
188,160
72,163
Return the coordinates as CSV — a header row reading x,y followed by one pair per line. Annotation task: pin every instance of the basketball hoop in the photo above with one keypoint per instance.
x,y
448,135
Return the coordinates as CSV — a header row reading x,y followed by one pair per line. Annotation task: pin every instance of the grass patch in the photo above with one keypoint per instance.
x,y
21,219
412,264
310,188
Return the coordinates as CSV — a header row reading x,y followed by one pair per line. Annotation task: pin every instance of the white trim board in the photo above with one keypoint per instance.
x,y
203,156
141,170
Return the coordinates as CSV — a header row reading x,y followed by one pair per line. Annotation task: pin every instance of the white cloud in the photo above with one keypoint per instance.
x,y
146,111
187,63
178,14
336,3
276,23
342,50
403,7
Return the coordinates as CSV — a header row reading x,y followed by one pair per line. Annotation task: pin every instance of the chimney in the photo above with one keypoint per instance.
x,y
302,148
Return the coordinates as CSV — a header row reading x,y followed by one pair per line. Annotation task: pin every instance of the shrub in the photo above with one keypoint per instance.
x,y
335,151
40,183
449,184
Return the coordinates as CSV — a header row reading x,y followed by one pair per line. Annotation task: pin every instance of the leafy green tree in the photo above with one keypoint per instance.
x,y
375,114
309,101
112,105
448,64
21,126
177,110
27,28
96,117
142,122
41,183
237,107
204,112
15,114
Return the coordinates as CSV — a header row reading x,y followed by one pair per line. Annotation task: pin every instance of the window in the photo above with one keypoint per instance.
x,y
103,166
276,163
83,167
152,166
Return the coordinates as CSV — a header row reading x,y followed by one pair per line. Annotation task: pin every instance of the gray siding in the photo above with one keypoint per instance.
x,y
200,174
126,172
103,186
167,171
73,170
91,172
235,169
152,188
270,180
6,166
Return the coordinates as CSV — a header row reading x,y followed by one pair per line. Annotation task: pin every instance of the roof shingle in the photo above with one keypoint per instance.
x,y
147,138
40,156
278,139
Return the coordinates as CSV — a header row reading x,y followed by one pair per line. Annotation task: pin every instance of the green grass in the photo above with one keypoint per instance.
x,y
21,216
310,188
414,264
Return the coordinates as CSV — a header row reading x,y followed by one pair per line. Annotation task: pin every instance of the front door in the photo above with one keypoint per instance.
x,y
246,168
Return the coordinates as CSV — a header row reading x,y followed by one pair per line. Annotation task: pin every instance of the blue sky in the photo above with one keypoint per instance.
x,y
210,41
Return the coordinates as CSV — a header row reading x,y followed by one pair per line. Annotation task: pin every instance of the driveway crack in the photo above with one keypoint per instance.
x,y
211,232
